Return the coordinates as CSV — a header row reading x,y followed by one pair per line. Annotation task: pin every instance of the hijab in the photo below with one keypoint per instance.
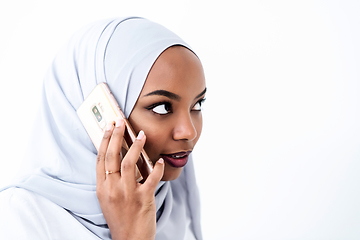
x,y
61,159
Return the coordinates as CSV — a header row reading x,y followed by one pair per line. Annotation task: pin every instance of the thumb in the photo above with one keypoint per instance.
x,y
155,176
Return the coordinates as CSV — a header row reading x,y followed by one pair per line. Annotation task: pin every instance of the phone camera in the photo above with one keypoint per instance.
x,y
97,114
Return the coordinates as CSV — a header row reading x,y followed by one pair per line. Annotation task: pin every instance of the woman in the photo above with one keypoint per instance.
x,y
64,191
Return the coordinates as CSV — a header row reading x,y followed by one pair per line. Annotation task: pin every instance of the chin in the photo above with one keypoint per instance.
x,y
171,173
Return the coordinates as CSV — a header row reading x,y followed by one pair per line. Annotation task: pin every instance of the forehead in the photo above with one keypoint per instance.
x,y
177,70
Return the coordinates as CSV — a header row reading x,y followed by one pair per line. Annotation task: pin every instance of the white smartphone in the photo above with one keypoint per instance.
x,y
101,108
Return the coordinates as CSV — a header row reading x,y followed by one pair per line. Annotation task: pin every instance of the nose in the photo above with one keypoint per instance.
x,y
184,128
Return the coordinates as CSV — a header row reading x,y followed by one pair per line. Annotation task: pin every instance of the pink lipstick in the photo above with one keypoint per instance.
x,y
176,160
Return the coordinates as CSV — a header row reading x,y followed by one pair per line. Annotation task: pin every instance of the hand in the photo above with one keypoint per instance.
x,y
128,206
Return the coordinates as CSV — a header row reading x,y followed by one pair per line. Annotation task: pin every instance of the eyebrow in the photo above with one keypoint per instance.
x,y
171,95
165,93
202,93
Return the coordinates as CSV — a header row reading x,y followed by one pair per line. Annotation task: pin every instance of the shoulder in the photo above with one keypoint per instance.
x,y
18,217
16,197
21,202
18,202
27,215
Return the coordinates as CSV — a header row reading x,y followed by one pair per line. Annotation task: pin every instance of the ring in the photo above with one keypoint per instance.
x,y
110,172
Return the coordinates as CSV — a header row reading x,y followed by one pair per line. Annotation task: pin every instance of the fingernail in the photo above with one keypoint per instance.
x,y
140,135
119,122
161,161
109,126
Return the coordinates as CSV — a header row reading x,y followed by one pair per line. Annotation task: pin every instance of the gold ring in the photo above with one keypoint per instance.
x,y
110,172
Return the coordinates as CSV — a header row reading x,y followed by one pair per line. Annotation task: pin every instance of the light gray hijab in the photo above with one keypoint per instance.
x,y
60,161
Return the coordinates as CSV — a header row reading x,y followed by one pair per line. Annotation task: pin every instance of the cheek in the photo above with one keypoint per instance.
x,y
156,134
159,133
155,140
198,124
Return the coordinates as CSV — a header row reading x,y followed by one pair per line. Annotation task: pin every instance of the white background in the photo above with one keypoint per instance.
x,y
279,154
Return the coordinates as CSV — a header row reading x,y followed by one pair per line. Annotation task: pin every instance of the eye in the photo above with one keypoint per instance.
x,y
198,105
161,108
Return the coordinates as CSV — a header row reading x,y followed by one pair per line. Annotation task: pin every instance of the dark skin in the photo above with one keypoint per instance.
x,y
168,111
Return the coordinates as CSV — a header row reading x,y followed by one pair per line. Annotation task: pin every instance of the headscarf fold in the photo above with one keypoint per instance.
x,y
61,159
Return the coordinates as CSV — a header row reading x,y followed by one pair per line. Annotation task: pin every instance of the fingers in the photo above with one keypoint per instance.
x,y
129,162
100,163
112,157
109,158
155,176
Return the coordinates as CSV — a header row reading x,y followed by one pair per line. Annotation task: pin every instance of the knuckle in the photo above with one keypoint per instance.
x,y
107,135
112,197
139,143
99,157
117,134
126,165
136,147
110,155
108,193
99,192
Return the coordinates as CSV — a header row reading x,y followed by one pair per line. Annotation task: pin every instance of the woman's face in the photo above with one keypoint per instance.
x,y
168,109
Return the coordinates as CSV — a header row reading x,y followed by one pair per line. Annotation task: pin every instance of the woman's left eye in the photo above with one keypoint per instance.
x,y
197,106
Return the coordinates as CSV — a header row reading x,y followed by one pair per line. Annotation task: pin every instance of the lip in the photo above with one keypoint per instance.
x,y
177,160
